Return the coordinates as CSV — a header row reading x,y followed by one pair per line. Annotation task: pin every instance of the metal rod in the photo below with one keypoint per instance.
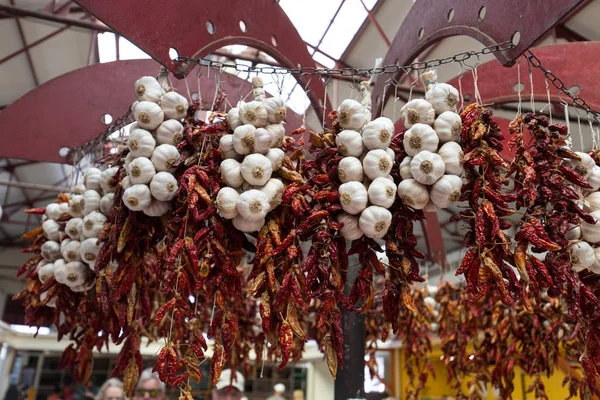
x,y
377,26
25,46
34,186
34,43
21,12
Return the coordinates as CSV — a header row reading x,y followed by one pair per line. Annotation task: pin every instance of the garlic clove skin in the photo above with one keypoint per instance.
x,y
431,207
156,208
574,232
83,287
418,138
417,111
592,202
448,126
246,226
75,274
51,303
140,143
353,197
378,133
50,251
165,157
443,97
350,169
405,168
377,163
262,141
350,229
109,180
170,132
50,228
413,194
106,203
227,202
79,189
46,272
256,169
446,191
92,201
391,154
244,139
452,155
126,183
351,115
427,167
89,250
70,252
231,172
76,206
277,132
253,205
382,192
349,143
375,222
226,147
276,156
274,191
164,186
148,115
594,178
74,228
64,208
582,255
91,178
137,197
276,110
591,232
92,224
174,105
233,118
147,88
253,113
141,170
128,159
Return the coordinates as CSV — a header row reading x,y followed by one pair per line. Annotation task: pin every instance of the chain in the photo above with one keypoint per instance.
x,y
578,102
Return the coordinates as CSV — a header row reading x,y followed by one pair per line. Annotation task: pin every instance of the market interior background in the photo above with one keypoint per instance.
x,y
42,40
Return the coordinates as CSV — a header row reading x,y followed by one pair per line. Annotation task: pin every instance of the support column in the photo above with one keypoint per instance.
x,y
7,358
319,383
3,297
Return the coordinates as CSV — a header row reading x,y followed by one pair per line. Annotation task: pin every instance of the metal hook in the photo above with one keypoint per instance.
x,y
412,86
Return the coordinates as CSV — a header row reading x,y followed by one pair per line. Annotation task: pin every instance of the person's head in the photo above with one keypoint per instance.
x,y
149,386
279,388
112,389
298,395
229,387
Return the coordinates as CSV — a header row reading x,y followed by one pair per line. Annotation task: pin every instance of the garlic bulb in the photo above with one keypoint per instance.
x,y
227,202
276,156
148,115
413,194
243,139
594,178
109,179
583,167
350,169
375,221
443,97
53,211
448,126
418,138
70,251
50,228
274,191
391,154
79,189
83,287
126,183
427,167
591,232
50,251
452,155
595,268
64,208
378,133
233,117
128,159
91,178
141,170
377,163
446,191
226,147
431,207
93,223
169,132
156,208
350,230
253,205
582,255
231,172
92,201
256,169
174,105
72,274
74,228
147,88
137,197
574,232
353,197
351,115
253,113
141,143
382,192
106,203
89,250
76,206
46,272
277,132
276,111
164,186
244,225
164,157
417,111
405,168
262,141
592,201
349,143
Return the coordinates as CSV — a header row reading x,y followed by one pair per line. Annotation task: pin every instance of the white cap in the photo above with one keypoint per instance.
x,y
279,388
225,380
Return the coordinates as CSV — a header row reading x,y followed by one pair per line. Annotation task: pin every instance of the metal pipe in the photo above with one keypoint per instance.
x,y
21,12
35,186
377,26
34,43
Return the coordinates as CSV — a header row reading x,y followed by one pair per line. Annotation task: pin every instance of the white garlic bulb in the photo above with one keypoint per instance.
x,y
582,255
147,88
148,115
46,272
126,182
417,111
89,250
375,221
443,97
73,274
351,115
92,201
378,133
76,206
141,143
243,139
276,156
244,225
163,186
106,203
276,111
226,147
427,167
349,143
93,223
262,141
83,287
256,169
446,191
253,205
350,229
50,251
253,113
382,192
74,228
377,163
137,197
452,155
274,191
391,154
156,208
109,179
277,132
128,159
91,178
231,172
59,271
141,170
70,252
50,228
431,207
227,202
413,194
418,138
350,169
64,208
164,157
405,168
233,117
353,197
448,126
592,201
591,232
63,245
574,232
594,178
169,132
174,105
53,211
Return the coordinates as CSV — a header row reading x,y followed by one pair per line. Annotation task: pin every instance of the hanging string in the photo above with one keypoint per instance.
x,y
568,123
580,133
325,101
520,86
549,103
531,99
396,99
594,139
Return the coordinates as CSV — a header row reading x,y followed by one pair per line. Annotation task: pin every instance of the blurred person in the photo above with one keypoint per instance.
x,y
278,392
13,393
149,386
112,389
90,391
228,389
298,395
56,394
